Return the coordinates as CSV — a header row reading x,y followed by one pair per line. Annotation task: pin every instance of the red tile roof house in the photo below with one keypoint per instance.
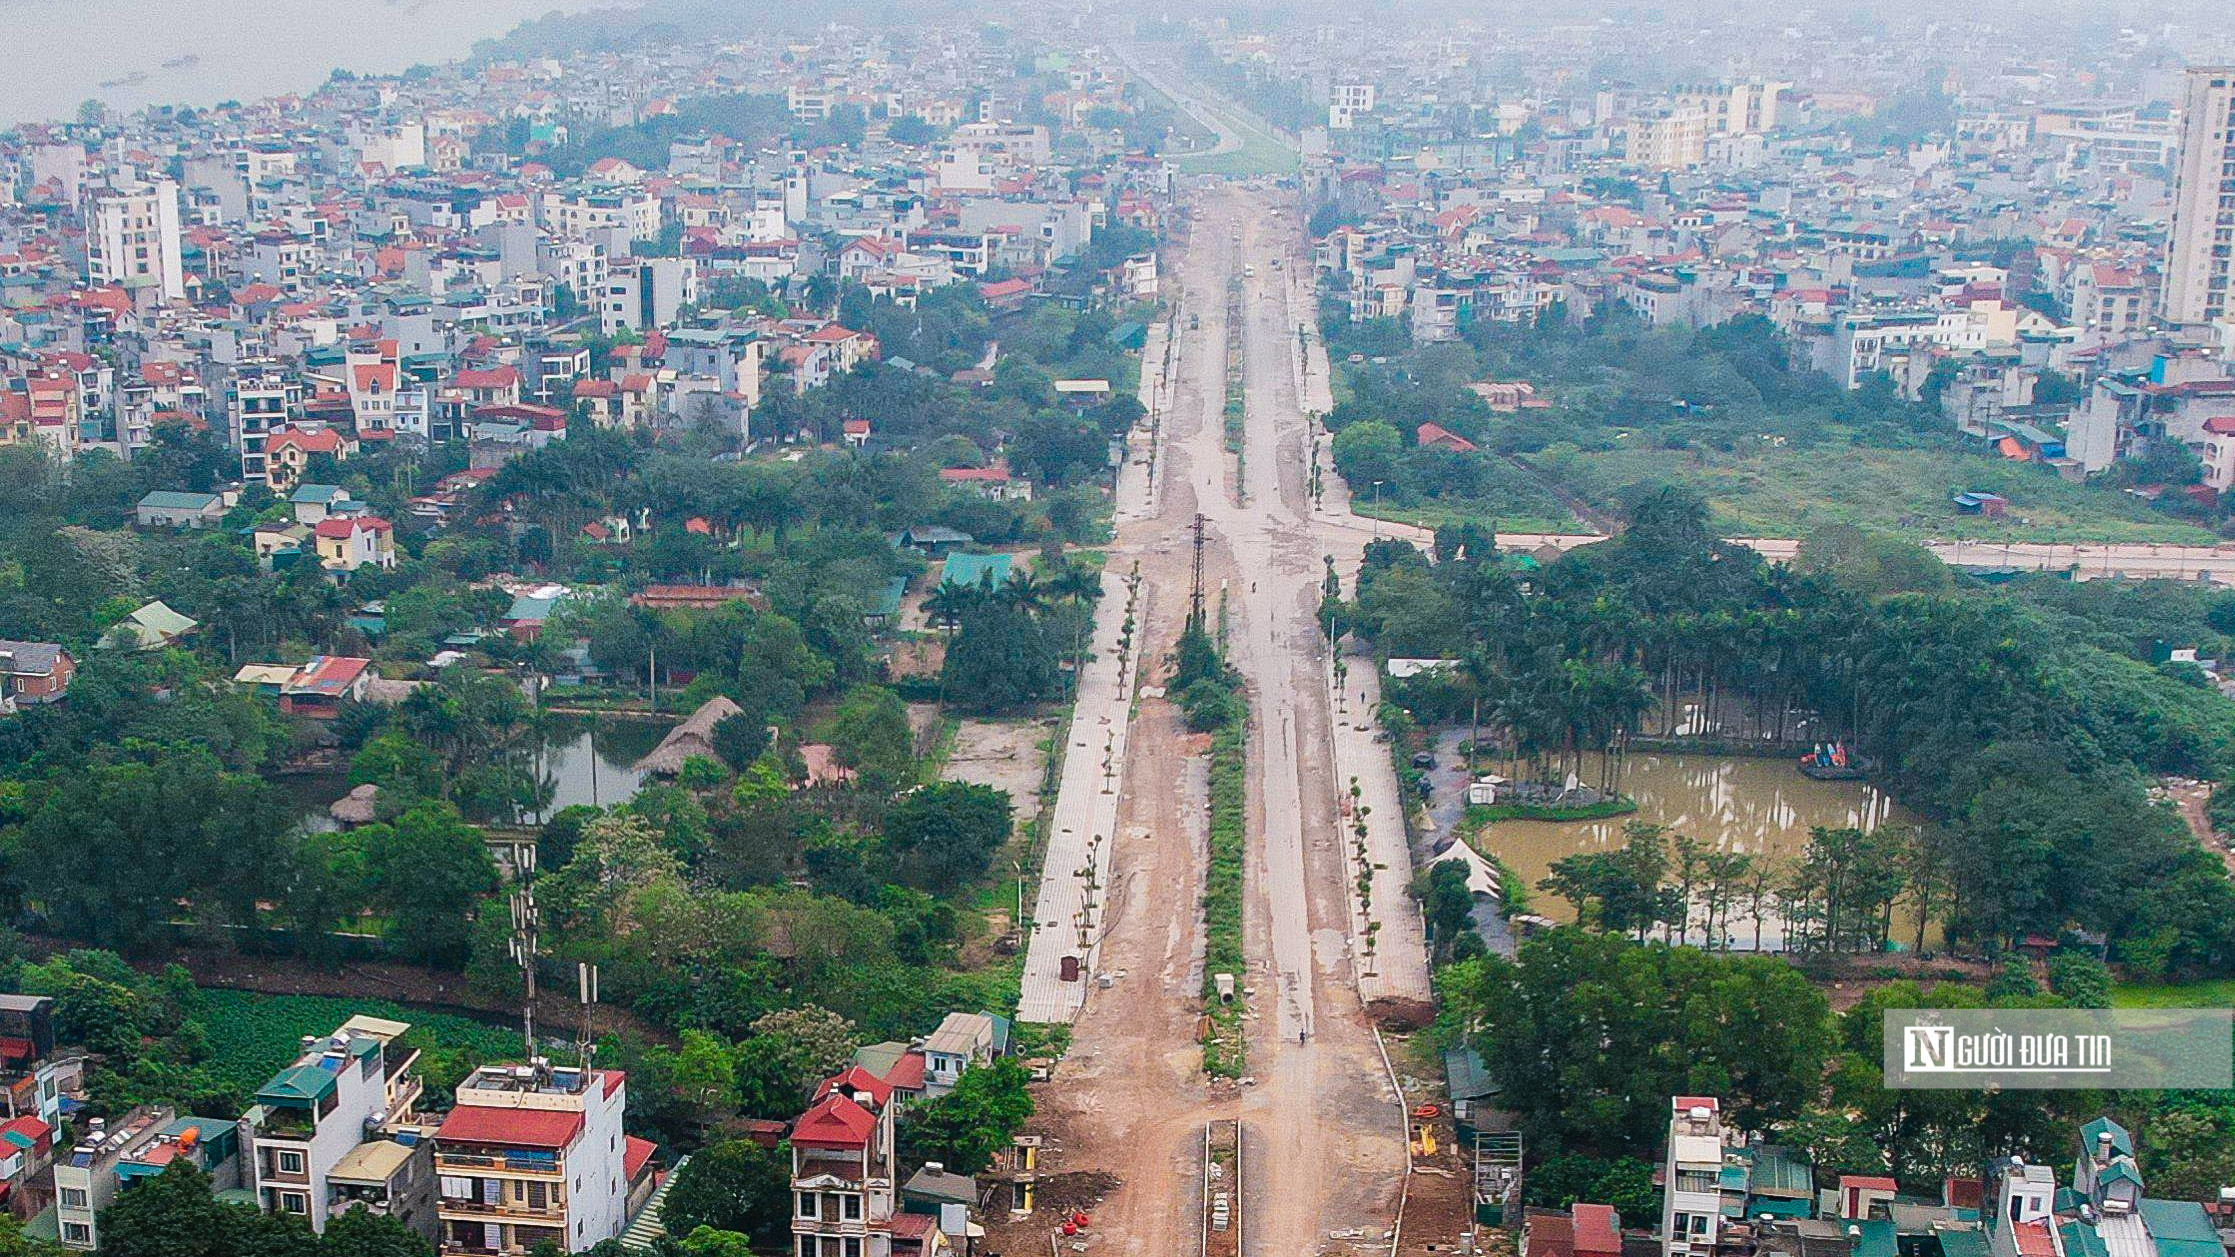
x,y
347,543
843,1173
992,481
33,672
1435,437
320,687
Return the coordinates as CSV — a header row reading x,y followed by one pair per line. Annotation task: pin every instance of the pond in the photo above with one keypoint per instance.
x,y
1742,805
587,760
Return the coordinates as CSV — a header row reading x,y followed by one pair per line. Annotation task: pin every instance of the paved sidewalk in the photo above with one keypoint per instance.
x,y
1074,872
1397,969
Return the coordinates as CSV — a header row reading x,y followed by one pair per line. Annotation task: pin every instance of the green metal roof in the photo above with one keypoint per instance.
x,y
297,1085
885,602
2121,1142
976,569
177,500
2181,1228
1877,1238
2079,1241
1466,1075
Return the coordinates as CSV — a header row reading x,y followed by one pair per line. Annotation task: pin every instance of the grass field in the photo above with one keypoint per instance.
x,y
1222,901
1786,492
252,1036
2213,993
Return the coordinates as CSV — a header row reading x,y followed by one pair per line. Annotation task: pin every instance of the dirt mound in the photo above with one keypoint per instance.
x,y
1077,1190
1394,1013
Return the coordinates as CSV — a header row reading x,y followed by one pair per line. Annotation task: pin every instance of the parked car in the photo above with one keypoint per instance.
x,y
1425,759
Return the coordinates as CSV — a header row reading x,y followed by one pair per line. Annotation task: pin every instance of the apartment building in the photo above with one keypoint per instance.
x,y
1692,1203
2200,252
132,238
534,1153
575,215
1673,139
646,294
1347,103
257,404
345,1090
1732,108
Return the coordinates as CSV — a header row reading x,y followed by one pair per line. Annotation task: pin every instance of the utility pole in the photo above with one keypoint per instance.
x,y
1195,594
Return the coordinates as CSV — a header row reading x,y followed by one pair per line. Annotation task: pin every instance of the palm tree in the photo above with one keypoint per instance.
x,y
1025,592
948,603
1073,583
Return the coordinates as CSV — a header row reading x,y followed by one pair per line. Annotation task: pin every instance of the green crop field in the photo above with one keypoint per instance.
x,y
252,1036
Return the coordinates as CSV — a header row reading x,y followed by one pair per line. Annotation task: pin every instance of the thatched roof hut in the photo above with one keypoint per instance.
x,y
358,807
694,737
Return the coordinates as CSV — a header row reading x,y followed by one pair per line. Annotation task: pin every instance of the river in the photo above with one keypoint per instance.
x,y
1751,806
200,52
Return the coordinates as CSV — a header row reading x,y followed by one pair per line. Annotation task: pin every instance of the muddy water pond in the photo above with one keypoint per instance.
x,y
1758,807
587,761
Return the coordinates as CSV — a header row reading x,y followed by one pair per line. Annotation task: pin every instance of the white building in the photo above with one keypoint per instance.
x,y
1347,102
534,1153
132,238
1692,1202
647,293
580,214
344,1090
1672,140
2198,264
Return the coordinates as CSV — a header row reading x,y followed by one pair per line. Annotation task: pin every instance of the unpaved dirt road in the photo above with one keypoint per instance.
x,y
1323,1130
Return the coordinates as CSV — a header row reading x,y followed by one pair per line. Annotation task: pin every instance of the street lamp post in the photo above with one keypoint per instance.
x,y
1377,510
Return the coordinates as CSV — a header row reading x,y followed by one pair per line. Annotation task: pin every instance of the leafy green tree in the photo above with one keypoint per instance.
x,y
113,849
964,1128
104,1016
740,740
404,770
869,733
1565,1179
1364,453
708,1242
736,1186
14,1243
429,871
363,1233
1446,904
1623,891
944,835
1000,660
173,1214
1665,1021
2080,979
789,1051
2189,1152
